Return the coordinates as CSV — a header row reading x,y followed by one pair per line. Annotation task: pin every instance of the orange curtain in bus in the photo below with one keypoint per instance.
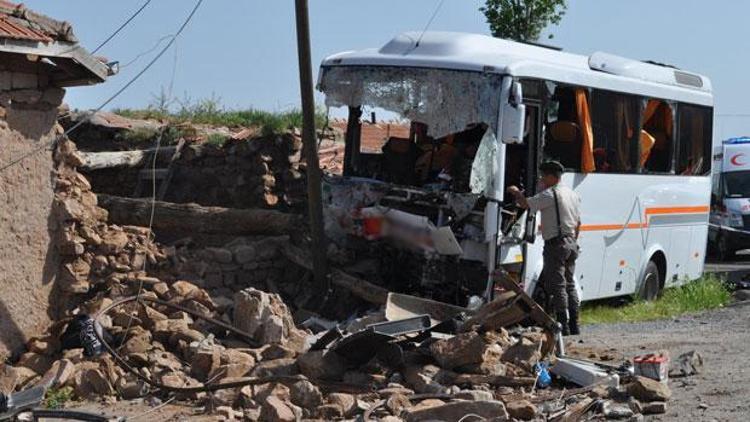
x,y
650,110
584,122
665,114
647,142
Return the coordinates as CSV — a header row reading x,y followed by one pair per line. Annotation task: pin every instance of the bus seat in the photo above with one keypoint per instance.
x,y
564,131
564,143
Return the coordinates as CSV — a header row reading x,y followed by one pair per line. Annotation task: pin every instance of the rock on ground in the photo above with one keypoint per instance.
x,y
455,411
647,390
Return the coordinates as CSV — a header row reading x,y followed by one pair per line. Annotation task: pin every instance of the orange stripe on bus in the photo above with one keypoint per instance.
x,y
649,211
601,227
678,210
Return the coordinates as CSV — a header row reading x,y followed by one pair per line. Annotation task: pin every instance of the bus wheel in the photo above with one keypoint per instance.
x,y
650,284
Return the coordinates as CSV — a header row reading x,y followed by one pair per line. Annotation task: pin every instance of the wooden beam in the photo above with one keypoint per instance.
x,y
198,219
135,158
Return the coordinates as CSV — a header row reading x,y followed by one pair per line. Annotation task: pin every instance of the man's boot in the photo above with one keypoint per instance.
x,y
573,322
562,319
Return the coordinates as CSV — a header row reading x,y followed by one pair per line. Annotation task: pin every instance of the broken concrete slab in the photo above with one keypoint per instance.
x,y
654,408
464,349
266,318
456,411
648,390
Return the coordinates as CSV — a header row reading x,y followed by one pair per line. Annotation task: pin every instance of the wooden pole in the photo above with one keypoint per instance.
x,y
310,148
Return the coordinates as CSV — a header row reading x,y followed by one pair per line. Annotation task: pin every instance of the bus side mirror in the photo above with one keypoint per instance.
x,y
514,116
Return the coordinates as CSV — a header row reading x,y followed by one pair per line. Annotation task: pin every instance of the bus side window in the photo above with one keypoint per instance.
x,y
656,137
563,136
694,140
614,123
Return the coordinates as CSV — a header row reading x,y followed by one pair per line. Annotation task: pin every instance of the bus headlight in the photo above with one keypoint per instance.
x,y
734,220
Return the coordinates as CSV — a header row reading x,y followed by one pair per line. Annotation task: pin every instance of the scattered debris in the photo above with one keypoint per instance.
x,y
223,324
652,365
688,363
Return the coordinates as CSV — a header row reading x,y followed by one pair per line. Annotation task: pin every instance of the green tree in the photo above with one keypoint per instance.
x,y
522,20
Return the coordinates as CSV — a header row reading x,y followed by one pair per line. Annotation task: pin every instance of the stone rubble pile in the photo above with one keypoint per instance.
x,y
172,336
95,254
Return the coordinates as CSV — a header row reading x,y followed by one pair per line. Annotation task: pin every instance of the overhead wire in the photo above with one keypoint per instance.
x,y
111,98
429,22
124,24
112,35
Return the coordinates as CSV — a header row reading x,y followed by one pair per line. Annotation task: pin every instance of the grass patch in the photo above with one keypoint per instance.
x,y
216,139
210,111
57,397
705,293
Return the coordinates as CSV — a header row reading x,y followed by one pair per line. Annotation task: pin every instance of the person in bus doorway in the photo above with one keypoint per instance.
x,y
561,222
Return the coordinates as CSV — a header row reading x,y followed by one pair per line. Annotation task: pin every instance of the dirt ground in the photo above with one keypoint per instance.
x,y
722,337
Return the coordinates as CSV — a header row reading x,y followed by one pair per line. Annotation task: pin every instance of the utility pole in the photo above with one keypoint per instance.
x,y
310,148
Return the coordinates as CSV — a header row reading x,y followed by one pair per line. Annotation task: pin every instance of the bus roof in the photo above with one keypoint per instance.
x,y
474,52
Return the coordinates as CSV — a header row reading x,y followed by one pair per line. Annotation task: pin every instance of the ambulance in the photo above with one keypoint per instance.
x,y
729,226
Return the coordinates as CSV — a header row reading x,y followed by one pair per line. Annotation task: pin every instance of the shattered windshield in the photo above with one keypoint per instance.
x,y
449,121
446,101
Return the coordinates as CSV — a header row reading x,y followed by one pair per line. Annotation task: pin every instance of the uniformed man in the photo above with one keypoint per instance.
x,y
561,223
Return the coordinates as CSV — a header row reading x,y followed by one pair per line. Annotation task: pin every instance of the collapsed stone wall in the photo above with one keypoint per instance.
x,y
28,259
237,168
258,172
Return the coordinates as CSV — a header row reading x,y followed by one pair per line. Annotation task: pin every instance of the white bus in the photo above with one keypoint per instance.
x,y
482,112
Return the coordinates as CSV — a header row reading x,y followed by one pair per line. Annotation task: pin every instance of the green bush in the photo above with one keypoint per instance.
x,y
210,111
57,397
705,293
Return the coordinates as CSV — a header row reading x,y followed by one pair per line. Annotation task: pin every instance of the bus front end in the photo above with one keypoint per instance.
x,y
418,208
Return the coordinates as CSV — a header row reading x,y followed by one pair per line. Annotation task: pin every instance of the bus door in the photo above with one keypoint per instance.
x,y
528,165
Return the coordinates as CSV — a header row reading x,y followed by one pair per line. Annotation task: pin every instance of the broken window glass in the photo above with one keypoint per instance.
x,y
446,101
484,166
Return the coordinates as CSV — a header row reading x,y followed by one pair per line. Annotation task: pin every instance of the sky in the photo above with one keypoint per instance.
x,y
243,52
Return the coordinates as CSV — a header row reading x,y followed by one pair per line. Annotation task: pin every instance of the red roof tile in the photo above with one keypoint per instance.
x,y
9,29
18,22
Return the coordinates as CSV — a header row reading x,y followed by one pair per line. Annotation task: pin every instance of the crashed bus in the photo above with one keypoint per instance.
x,y
427,212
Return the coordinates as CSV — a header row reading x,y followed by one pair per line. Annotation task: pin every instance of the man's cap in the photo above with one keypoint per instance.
x,y
551,167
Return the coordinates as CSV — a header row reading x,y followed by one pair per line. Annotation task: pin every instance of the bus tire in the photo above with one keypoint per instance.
x,y
650,284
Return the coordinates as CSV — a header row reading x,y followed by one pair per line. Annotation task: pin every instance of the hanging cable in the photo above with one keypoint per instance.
x,y
151,238
111,98
143,53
